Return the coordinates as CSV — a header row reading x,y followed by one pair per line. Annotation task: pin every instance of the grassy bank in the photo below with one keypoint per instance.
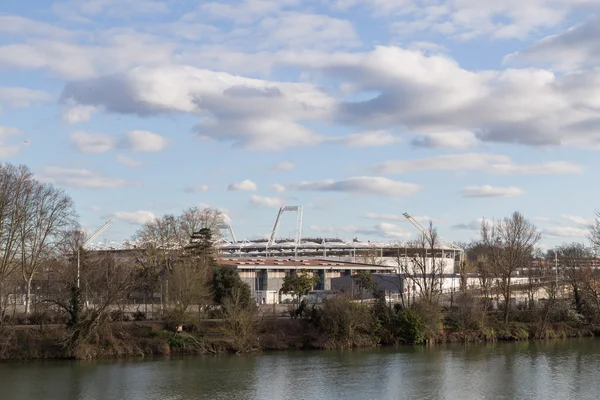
x,y
339,323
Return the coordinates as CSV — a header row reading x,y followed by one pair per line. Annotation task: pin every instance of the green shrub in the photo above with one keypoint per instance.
x,y
410,328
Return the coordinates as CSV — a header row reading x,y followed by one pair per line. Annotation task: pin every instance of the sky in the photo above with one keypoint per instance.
x,y
358,110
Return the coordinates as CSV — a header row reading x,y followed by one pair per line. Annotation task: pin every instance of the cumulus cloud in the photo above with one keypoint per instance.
x,y
88,142
364,185
22,97
245,185
493,163
527,106
80,178
491,191
266,201
283,166
130,162
144,142
251,113
135,217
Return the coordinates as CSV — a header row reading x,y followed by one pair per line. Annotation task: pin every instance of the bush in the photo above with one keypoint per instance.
x,y
409,327
342,323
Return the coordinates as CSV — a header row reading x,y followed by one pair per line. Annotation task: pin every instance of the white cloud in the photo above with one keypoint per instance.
x,y
381,230
251,113
474,225
364,185
196,189
144,142
130,162
572,49
369,139
19,26
389,217
135,217
79,10
386,230
467,19
277,187
77,114
266,201
6,131
87,142
565,231
245,185
578,220
283,166
493,163
491,191
447,140
526,106
7,151
22,97
80,178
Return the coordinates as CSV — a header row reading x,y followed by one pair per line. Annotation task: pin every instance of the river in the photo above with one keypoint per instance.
x,y
561,369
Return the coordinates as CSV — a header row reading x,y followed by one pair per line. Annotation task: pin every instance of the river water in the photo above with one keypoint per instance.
x,y
561,369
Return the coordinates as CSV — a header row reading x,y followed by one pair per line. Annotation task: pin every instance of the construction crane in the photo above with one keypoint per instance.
x,y
88,241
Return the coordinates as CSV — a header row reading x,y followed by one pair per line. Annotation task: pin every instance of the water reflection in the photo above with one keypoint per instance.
x,y
562,369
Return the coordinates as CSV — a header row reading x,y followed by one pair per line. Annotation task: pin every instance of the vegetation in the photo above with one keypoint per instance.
x,y
59,300
299,284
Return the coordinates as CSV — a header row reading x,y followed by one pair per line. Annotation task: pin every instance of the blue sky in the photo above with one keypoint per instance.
x,y
358,110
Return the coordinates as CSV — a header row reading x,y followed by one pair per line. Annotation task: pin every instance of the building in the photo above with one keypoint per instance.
x,y
265,275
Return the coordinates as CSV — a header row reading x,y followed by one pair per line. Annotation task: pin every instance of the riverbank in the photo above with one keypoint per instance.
x,y
141,339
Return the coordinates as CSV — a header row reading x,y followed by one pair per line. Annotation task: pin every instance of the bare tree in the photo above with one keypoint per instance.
x,y
594,234
509,244
48,211
176,253
14,184
573,259
189,285
423,265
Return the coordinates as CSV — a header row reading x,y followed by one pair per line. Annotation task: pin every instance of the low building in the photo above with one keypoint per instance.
x,y
265,275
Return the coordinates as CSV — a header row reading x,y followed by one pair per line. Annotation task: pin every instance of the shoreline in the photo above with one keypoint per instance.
x,y
148,339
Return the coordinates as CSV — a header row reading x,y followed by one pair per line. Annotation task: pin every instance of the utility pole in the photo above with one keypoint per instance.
x,y
88,241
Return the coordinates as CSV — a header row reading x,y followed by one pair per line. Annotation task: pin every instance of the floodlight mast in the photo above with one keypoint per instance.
x,y
88,241
417,225
298,238
228,228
